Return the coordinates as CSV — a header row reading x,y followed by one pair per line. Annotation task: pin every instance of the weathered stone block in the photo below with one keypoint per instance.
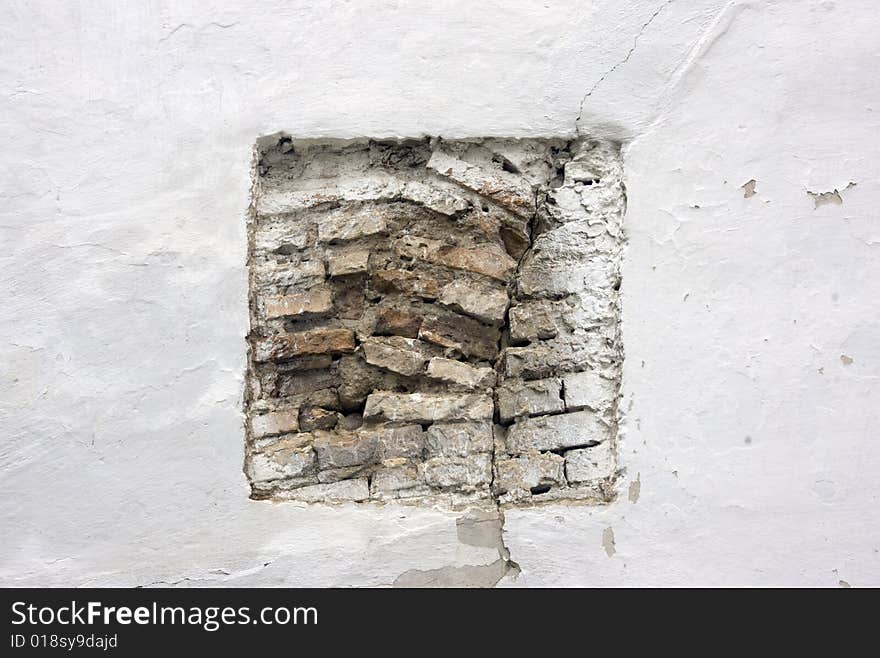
x,y
396,475
279,421
463,335
351,223
588,389
508,190
518,398
427,407
339,450
407,441
529,471
395,353
315,341
414,283
397,322
345,263
461,374
485,303
316,418
488,259
459,439
462,472
577,429
537,320
317,301
344,490
284,459
345,473
589,464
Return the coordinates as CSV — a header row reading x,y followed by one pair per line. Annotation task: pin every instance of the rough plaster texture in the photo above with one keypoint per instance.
x,y
750,322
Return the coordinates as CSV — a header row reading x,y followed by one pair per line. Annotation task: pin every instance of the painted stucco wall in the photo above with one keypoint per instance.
x,y
750,323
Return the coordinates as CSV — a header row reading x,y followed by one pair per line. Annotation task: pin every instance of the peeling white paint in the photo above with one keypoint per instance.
x,y
128,134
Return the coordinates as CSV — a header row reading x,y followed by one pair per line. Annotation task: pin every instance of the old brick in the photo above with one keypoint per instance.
x,y
279,421
464,335
395,476
485,303
291,384
405,441
528,471
517,398
346,473
580,428
395,353
358,379
315,341
396,322
537,320
508,190
316,418
460,374
459,439
414,283
310,362
317,301
461,472
488,259
340,450
427,407
589,464
344,263
326,398
281,461
588,389
351,223
344,490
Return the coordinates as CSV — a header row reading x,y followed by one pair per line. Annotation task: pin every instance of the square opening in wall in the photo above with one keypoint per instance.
x,y
434,320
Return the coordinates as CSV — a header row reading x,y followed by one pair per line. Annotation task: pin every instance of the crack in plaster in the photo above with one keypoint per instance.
x,y
623,61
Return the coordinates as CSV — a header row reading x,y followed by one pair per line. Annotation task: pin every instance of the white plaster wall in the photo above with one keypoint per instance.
x,y
127,129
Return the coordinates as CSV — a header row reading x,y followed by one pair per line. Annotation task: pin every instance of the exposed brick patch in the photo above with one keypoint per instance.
x,y
434,321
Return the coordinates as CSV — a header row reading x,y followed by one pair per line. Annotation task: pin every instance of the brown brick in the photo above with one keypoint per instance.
x,y
315,341
463,334
414,283
394,322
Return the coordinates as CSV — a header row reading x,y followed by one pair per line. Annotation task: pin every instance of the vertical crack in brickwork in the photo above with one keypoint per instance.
x,y
434,321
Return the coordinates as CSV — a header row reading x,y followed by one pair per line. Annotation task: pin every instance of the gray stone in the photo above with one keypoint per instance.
x,y
528,471
517,398
405,441
576,429
280,461
461,374
351,223
538,319
485,303
458,439
395,353
340,450
589,464
279,421
427,407
588,389
396,475
344,490
461,472
508,190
